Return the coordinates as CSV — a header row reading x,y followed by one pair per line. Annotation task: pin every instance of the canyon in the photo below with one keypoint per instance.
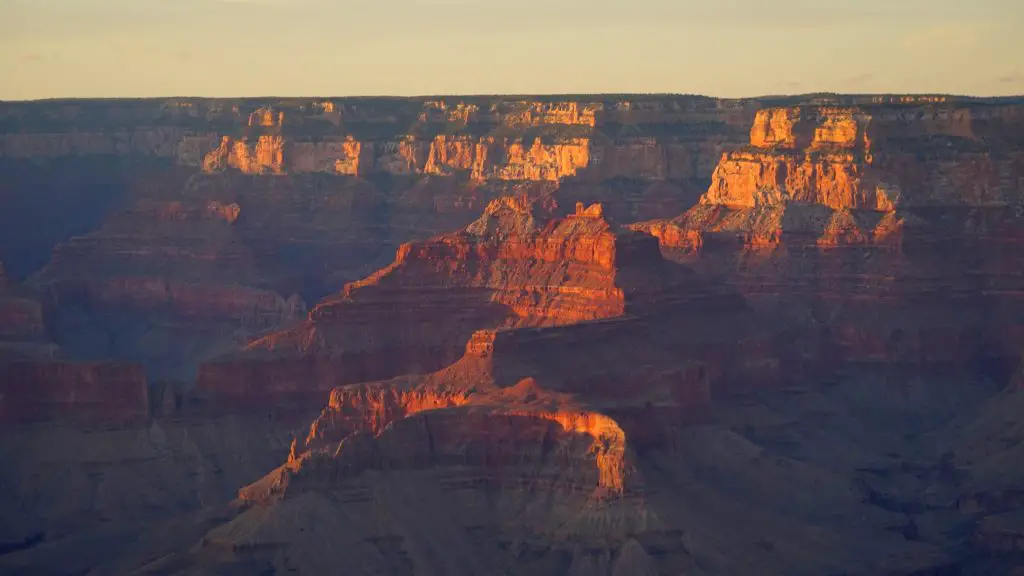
x,y
551,335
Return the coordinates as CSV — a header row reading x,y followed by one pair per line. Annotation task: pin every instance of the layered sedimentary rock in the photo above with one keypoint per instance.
x,y
226,257
512,268
571,402
380,427
153,274
807,155
265,155
485,139
570,376
55,391
184,210
533,426
874,158
84,162
898,257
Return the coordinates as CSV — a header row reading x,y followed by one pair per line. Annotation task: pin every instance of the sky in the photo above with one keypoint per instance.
x,y
728,48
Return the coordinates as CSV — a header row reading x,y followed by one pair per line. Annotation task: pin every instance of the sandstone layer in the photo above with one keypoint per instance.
x,y
855,226
208,216
264,200
512,268
815,390
489,138
549,474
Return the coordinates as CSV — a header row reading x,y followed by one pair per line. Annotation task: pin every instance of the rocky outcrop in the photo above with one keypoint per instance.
x,y
222,258
162,268
557,113
556,415
515,398
542,161
489,139
480,158
416,314
190,209
81,393
821,208
542,390
512,268
810,128
265,156
814,156
503,432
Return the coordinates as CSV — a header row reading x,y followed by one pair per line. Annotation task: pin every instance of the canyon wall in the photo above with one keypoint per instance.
x,y
889,235
487,138
285,256
221,219
514,267
54,391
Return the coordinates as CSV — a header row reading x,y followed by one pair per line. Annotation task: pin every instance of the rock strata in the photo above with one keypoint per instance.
x,y
512,268
828,204
788,361
80,393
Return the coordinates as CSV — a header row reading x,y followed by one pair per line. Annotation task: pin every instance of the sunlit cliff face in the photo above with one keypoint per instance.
x,y
507,350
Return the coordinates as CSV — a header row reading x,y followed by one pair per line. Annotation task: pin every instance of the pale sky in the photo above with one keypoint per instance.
x,y
133,48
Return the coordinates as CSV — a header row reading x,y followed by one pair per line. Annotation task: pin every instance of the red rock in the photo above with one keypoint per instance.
x,y
82,393
471,422
857,228
509,269
208,216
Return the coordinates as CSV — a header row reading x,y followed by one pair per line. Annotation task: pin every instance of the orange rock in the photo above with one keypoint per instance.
x,y
510,268
836,180
378,426
542,161
843,211
266,156
544,113
266,118
441,111
407,156
228,213
338,156
449,154
809,127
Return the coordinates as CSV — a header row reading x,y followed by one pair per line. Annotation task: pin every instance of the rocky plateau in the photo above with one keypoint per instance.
x,y
485,335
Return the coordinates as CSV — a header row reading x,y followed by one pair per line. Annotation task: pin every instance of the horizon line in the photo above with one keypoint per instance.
x,y
515,95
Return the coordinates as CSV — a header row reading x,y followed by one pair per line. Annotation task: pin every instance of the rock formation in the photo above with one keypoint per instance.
x,y
789,358
828,206
511,268
208,216
353,137
174,265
